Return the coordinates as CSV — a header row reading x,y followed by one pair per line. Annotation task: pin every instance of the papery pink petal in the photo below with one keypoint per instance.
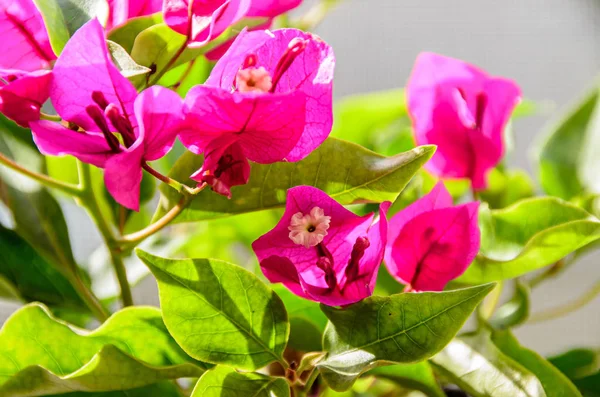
x,y
53,139
438,197
281,270
271,8
435,247
22,99
123,10
123,176
311,73
176,15
159,112
83,67
503,95
25,44
266,126
225,165
218,52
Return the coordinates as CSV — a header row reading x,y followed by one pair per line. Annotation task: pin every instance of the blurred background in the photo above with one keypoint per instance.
x,y
550,47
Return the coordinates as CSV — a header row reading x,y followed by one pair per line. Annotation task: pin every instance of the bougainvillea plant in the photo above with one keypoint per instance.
x,y
300,248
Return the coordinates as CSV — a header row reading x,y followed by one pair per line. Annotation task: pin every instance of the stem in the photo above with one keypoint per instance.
x,y
316,15
489,304
45,180
51,117
169,64
560,311
180,187
551,272
89,298
475,194
89,202
311,380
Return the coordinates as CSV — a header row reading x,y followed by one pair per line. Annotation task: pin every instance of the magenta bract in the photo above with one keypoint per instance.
x,y
321,251
463,111
271,8
90,93
25,44
270,95
22,94
431,241
120,11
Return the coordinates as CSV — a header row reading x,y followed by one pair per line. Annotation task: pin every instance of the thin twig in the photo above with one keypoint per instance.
x,y
563,310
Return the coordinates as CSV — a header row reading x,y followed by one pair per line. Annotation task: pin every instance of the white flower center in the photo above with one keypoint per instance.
x,y
253,80
310,229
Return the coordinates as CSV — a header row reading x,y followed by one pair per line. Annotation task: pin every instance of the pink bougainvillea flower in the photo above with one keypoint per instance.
x,y
22,94
268,99
25,44
203,20
431,242
89,93
463,111
120,11
321,251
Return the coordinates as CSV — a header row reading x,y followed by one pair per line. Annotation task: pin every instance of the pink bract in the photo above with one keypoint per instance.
x,y
123,10
25,44
339,270
23,95
91,94
463,111
270,94
431,242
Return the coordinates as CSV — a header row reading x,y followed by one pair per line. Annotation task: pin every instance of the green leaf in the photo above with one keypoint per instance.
x,y
554,382
223,381
576,363
417,376
507,187
54,20
42,355
403,328
124,62
163,389
515,311
126,34
220,313
32,277
347,172
590,385
477,366
77,12
527,236
567,146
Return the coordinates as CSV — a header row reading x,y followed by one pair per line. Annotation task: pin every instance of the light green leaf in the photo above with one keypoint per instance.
x,y
417,376
77,12
527,236
403,328
32,277
554,382
223,381
42,355
124,62
347,172
477,366
507,187
563,155
125,34
163,389
54,20
515,311
220,313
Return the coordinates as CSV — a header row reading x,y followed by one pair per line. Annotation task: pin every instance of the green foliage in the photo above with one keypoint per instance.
x,y
515,311
42,355
220,313
411,376
124,62
347,172
507,187
403,328
126,34
55,23
224,381
528,236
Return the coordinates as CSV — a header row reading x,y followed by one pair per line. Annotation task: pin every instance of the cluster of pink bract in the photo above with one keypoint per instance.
x,y
268,99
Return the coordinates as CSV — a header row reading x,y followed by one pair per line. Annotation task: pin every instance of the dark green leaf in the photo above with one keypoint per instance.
x,y
568,143
44,356
527,236
590,385
555,384
125,34
77,12
54,20
32,277
347,172
403,328
507,187
477,366
124,62
220,313
223,381
515,311
411,376
576,363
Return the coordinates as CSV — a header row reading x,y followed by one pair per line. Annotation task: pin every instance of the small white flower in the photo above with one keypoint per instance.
x,y
309,230
253,80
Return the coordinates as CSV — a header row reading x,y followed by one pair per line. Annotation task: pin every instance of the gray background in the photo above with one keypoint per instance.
x,y
550,47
